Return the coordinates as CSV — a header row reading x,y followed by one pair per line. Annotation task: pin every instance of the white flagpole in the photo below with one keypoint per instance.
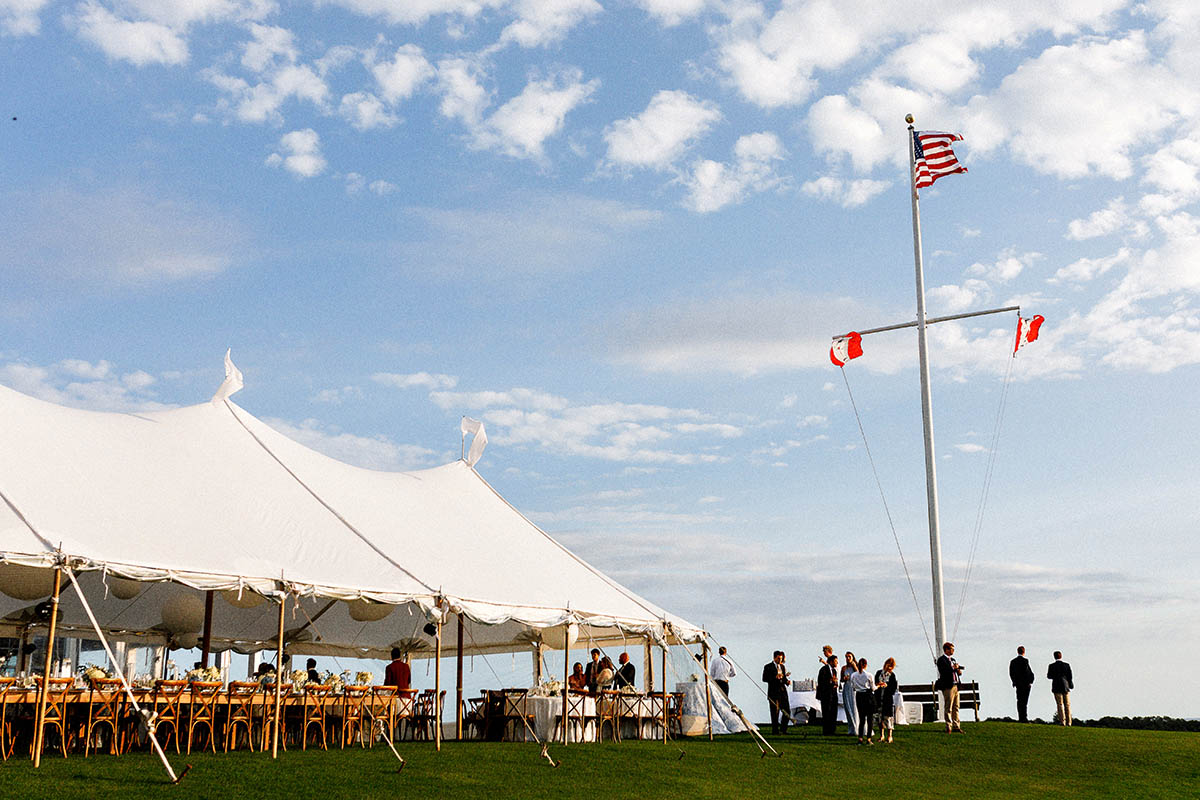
x,y
935,540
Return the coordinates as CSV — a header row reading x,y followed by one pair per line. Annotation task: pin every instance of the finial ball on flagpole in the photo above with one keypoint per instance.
x,y
908,118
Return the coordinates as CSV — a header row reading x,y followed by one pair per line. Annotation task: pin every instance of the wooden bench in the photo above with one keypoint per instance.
x,y
928,697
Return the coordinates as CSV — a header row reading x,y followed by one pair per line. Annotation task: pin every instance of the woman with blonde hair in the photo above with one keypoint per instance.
x,y
885,680
848,670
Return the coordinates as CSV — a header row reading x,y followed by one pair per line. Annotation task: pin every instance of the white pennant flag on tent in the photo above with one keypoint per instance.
x,y
232,382
474,426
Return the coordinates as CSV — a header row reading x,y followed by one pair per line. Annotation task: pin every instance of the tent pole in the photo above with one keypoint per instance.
x,y
567,680
278,680
664,692
458,690
437,686
206,639
649,663
23,657
39,733
707,691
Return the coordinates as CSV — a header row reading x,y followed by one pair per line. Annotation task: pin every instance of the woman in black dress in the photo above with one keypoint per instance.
x,y
885,679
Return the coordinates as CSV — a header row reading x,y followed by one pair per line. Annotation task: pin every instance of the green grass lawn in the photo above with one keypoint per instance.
x,y
993,759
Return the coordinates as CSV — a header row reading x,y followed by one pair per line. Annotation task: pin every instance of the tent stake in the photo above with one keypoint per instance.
x,y
39,734
278,680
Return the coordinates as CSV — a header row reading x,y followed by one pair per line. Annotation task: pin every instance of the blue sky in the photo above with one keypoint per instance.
x,y
622,234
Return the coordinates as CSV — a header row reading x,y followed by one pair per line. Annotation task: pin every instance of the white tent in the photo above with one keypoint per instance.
x,y
210,498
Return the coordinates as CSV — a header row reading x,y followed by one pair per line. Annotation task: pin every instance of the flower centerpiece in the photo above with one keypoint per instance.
x,y
204,674
298,678
333,681
627,689
363,679
92,673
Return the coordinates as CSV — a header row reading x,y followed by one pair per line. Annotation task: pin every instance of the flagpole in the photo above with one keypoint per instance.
x,y
935,540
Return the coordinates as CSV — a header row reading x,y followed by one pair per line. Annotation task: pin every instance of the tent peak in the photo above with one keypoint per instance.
x,y
233,380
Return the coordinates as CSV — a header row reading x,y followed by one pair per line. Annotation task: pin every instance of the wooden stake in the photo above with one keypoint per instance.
x,y
458,705
278,681
39,734
707,691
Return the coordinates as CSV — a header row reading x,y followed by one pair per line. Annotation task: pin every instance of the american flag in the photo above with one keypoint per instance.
x,y
934,156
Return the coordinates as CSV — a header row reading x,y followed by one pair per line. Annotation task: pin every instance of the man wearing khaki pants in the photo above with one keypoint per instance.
x,y
949,676
1061,684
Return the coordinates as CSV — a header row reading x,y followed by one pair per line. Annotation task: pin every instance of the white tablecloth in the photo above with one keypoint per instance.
x,y
547,712
807,701
694,712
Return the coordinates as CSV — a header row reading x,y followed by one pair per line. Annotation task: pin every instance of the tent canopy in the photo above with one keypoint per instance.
x,y
208,497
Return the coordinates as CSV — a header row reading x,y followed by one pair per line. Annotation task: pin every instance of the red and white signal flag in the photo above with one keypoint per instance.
x,y
1027,330
845,348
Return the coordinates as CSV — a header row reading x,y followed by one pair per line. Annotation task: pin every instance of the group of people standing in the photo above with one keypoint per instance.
x,y
862,695
1061,684
601,674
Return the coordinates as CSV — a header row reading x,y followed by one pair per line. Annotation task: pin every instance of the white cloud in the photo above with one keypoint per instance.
x,y
415,12
116,235
270,46
521,126
847,193
139,42
337,396
365,111
400,78
82,384
658,136
839,128
1084,269
410,380
543,22
524,235
1107,220
1081,109
463,96
21,17
672,12
953,298
271,55
970,447
303,154
382,187
372,452
713,185
1007,266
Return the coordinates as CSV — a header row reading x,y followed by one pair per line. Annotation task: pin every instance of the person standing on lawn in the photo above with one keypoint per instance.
x,y
1021,675
776,676
827,694
722,670
848,670
1061,684
949,676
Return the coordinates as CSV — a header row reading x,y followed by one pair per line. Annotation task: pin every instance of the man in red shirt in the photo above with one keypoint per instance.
x,y
398,672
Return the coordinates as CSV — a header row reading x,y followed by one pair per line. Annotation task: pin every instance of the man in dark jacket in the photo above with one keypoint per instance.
x,y
949,676
827,695
775,676
627,672
1021,675
1061,685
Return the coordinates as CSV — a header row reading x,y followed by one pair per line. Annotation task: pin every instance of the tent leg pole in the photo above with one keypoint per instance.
x,y
206,639
39,733
278,681
649,663
458,690
707,692
437,686
23,662
664,680
567,681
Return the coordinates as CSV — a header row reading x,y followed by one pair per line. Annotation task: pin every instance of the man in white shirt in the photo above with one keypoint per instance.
x,y
722,670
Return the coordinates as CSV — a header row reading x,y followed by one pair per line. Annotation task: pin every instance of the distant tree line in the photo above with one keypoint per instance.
x,y
1128,723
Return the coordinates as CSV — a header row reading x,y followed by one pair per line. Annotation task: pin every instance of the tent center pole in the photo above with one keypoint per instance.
x,y
437,685
664,692
707,691
206,639
278,682
458,690
567,681
40,732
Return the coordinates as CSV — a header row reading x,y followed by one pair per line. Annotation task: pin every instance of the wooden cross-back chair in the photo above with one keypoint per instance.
x,y
314,713
202,712
7,740
578,717
354,714
476,718
106,706
381,713
286,701
168,707
608,710
517,715
56,711
240,697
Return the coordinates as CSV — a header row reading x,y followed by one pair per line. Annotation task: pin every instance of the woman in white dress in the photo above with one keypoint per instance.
x,y
848,669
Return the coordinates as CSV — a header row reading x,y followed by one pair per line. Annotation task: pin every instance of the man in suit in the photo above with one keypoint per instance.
x,y
775,676
591,674
1021,675
949,676
827,694
1061,684
626,673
